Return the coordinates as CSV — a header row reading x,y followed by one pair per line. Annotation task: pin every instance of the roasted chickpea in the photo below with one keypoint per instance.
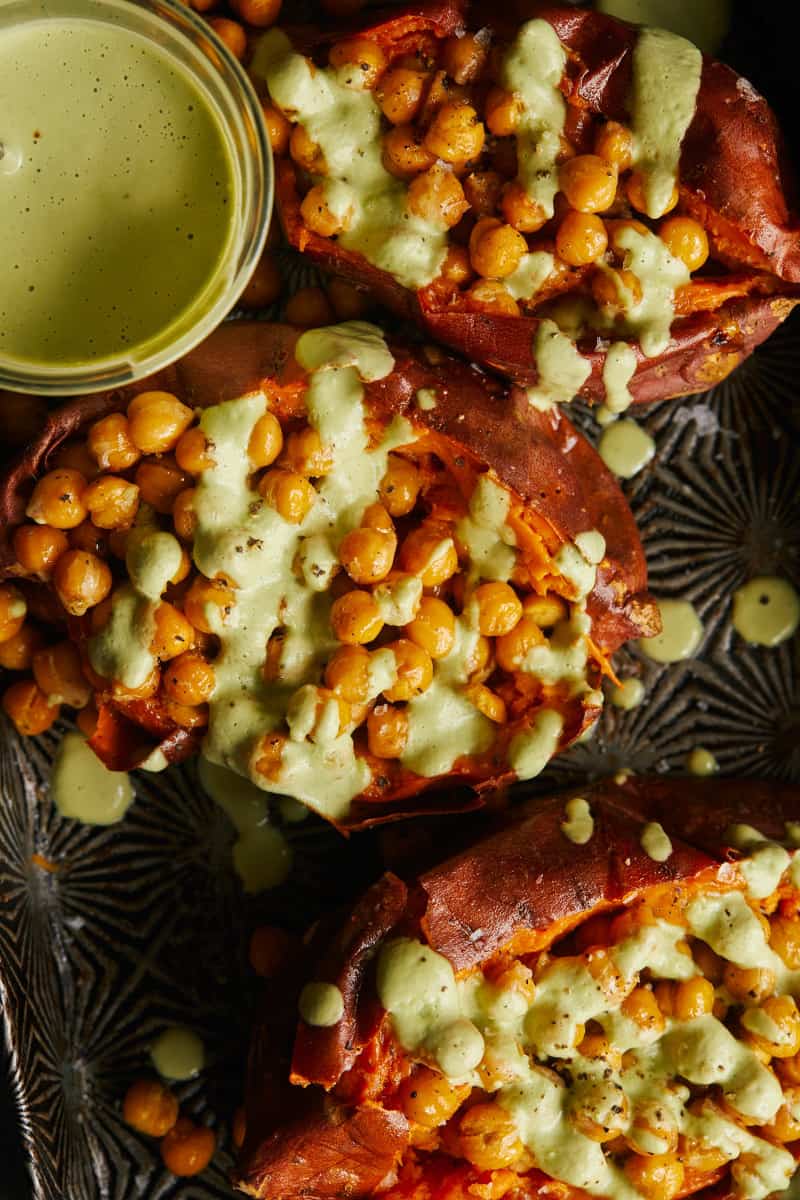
x,y
499,608
749,984
520,210
207,603
270,755
73,455
429,553
193,716
400,486
112,502
27,707
81,580
414,671
588,182
347,673
192,453
512,648
16,652
159,480
375,516
616,289
322,216
109,443
260,13
404,154
305,151
436,195
306,453
581,239
156,420
457,268
503,111
430,1099
266,441
614,143
189,679
150,1107
57,499
263,289
784,938
387,731
487,702
456,134
360,62
641,1006
656,1176
184,517
37,548
309,307
12,611
270,950
355,618
482,190
636,194
490,295
488,1137
288,493
778,1034
279,129
495,249
400,94
463,57
367,554
58,672
231,34
785,1125
173,633
693,998
187,1149
685,239
433,628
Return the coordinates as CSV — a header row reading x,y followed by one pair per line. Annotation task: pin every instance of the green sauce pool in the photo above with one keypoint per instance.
x,y
117,189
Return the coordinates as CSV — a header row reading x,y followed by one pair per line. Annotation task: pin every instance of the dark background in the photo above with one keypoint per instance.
x,y
760,46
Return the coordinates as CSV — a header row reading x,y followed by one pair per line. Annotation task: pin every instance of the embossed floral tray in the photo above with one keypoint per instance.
x,y
107,935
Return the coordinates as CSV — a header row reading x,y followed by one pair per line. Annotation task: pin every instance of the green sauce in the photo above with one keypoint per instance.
x,y
116,194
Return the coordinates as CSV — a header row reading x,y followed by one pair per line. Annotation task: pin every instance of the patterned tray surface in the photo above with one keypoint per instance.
x,y
108,935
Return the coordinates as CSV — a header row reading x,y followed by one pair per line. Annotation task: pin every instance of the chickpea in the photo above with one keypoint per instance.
x,y
367,554
279,128
428,1098
27,707
785,1126
375,516
188,716
414,670
488,1137
37,548
348,302
588,182
546,611
270,950
693,998
109,443
503,111
433,628
750,985
260,13
429,553
520,210
159,481
355,618
387,731
490,295
81,580
112,502
189,679
347,673
208,600
597,1045
781,1014
685,239
709,964
320,217
495,249
270,755
309,307
57,499
73,455
12,611
635,192
184,517
231,34
499,608
266,441
512,648
288,493
404,154
191,452
173,633
456,134
360,62
616,289
150,1107
306,453
400,486
784,938
457,268
657,1176
306,152
581,239
187,1149
482,190
437,196
614,143
463,57
58,672
487,702
641,1006
400,94
17,651
156,420
88,537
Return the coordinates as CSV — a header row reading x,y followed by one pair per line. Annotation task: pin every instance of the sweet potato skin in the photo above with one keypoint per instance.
x,y
733,135
539,455
525,883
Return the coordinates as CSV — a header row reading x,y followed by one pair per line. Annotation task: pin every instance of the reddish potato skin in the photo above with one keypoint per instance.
x,y
556,474
732,135
524,884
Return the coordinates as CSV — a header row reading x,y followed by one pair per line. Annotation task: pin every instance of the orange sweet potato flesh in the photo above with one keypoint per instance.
x,y
523,885
733,136
561,485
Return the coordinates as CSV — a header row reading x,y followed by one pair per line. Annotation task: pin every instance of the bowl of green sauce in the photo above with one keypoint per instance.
x,y
135,186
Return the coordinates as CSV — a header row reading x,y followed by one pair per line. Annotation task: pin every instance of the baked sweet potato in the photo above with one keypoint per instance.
x,y
596,1000
418,168
439,604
